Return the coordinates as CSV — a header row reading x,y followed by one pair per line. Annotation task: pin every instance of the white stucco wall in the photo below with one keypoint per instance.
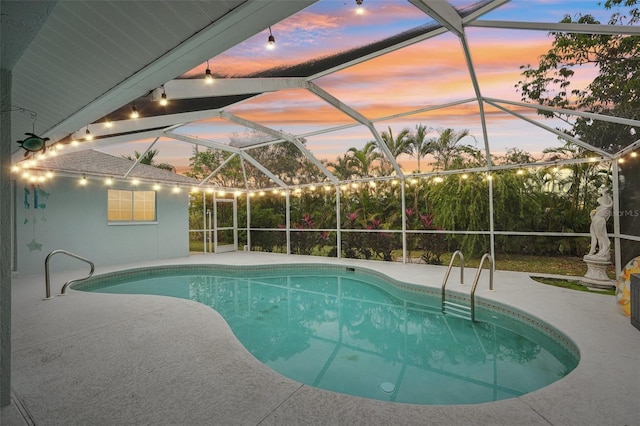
x,y
74,218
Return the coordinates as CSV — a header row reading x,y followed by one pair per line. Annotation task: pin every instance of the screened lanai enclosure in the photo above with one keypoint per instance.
x,y
388,130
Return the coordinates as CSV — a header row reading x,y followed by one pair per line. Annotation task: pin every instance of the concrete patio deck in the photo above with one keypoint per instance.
x,y
107,359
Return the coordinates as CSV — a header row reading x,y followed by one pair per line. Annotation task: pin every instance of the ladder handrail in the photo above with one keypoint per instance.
x,y
475,282
64,287
446,276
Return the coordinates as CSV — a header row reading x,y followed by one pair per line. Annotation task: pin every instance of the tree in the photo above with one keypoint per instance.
x,y
615,91
148,159
203,163
446,147
419,145
362,160
398,145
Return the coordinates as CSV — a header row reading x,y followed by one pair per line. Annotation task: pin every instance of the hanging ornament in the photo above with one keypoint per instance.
x,y
33,143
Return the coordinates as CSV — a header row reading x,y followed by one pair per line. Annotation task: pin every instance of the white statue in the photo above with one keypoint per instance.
x,y
599,217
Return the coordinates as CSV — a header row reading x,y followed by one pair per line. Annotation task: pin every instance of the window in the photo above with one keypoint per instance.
x,y
131,206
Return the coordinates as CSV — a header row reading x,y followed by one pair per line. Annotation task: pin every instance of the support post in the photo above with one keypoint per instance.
x,y
6,237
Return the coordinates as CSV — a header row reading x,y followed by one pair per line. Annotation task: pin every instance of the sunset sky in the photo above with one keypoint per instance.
x,y
432,72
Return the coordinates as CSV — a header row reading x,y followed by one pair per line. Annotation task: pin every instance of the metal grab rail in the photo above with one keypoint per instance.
x,y
475,283
446,276
64,287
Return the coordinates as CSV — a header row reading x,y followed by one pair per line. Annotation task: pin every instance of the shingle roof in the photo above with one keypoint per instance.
x,y
96,163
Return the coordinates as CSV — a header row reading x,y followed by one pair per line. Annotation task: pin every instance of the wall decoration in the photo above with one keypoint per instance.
x,y
35,199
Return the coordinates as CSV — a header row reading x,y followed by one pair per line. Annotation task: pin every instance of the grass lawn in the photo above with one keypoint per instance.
x,y
560,265
573,285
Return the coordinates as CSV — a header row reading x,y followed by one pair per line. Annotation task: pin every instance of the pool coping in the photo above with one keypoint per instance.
x,y
603,388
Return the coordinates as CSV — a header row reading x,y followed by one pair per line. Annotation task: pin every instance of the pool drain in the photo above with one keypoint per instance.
x,y
387,387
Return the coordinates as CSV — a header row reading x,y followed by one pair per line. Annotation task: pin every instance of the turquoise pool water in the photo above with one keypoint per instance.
x,y
351,331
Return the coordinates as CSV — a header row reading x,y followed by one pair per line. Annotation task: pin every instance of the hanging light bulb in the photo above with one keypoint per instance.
x,y
359,8
163,97
83,181
88,134
208,77
134,111
108,123
271,41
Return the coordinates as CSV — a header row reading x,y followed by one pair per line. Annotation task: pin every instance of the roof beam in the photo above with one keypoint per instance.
x,y
196,88
215,172
552,130
559,27
112,140
488,7
329,98
140,157
144,123
442,12
222,147
282,135
591,115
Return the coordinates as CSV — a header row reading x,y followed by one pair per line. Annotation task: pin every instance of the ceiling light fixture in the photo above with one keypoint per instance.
x,y
163,97
208,77
88,136
271,41
134,111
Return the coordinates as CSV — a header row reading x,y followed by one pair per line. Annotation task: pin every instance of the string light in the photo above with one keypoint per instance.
x,y
156,187
359,8
88,134
208,77
271,41
108,123
83,180
108,181
163,97
134,111
176,189
135,182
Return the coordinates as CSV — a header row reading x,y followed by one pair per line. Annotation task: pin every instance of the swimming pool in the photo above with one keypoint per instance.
x,y
357,332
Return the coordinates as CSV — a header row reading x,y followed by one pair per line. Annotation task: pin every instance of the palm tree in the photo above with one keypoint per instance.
x,y
362,160
419,145
341,167
148,159
398,145
446,148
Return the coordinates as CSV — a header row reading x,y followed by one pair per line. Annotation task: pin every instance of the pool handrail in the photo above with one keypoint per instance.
x,y
475,282
446,276
64,287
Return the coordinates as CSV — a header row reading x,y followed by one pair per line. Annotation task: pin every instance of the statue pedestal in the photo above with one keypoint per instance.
x,y
596,275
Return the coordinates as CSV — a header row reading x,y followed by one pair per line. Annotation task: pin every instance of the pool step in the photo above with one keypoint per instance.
x,y
456,309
